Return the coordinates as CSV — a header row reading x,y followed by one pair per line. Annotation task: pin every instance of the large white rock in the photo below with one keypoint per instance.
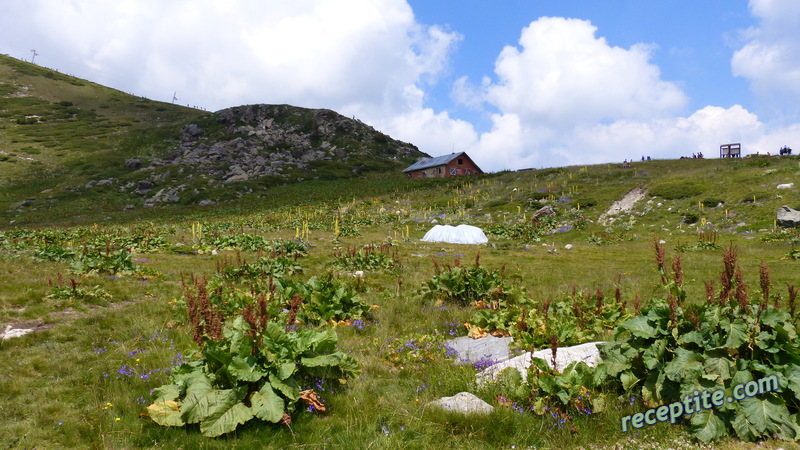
x,y
786,186
565,356
489,348
462,234
464,403
14,332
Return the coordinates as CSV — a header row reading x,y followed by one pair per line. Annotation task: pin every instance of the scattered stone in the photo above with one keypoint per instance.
x,y
27,202
788,217
165,195
544,211
568,246
587,353
133,163
464,403
785,186
489,348
105,182
144,187
206,202
128,207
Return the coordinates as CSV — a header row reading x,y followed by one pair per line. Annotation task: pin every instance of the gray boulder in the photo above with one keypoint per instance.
x,y
133,163
788,217
464,403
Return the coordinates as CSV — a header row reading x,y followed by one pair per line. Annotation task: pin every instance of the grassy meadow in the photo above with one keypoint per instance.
x,y
108,298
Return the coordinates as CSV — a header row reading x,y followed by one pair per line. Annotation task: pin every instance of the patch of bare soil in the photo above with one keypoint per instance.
x,y
625,205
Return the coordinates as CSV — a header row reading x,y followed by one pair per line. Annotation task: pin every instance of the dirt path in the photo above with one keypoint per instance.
x,y
624,205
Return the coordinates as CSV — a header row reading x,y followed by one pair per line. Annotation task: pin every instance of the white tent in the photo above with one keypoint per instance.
x,y
462,234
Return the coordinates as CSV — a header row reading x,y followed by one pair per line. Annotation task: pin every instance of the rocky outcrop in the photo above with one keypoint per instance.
x,y
251,141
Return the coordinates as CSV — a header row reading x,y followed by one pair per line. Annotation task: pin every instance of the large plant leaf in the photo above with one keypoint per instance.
x,y
639,326
654,354
286,370
288,388
686,364
628,380
743,427
226,412
245,369
195,406
718,363
765,413
166,413
615,361
266,404
707,426
792,374
167,392
735,332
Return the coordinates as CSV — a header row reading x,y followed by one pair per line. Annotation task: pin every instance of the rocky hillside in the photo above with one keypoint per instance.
x,y
261,145
246,142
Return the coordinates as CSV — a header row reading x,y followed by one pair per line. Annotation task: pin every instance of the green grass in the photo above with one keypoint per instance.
x,y
59,375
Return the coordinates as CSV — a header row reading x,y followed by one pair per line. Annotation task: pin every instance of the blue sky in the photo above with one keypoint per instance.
x,y
515,83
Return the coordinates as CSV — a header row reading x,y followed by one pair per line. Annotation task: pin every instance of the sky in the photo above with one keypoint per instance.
x,y
515,83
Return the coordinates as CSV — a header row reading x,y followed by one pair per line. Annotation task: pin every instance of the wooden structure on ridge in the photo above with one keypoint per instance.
x,y
730,150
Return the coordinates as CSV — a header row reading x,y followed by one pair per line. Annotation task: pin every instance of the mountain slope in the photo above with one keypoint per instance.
x,y
68,145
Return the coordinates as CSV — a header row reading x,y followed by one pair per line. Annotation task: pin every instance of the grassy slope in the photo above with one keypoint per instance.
x,y
54,384
57,131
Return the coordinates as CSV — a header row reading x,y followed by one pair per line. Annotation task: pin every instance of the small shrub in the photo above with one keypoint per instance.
x,y
673,190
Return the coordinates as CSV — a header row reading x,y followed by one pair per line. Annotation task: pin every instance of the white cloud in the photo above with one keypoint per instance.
x,y
770,56
562,74
356,54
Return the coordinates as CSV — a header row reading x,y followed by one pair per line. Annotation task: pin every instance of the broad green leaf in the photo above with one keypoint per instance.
x,y
226,413
320,361
266,404
652,389
707,426
765,413
718,363
692,337
639,326
735,332
195,406
772,317
654,354
166,393
288,388
166,413
286,370
686,364
243,369
792,374
615,362
628,380
744,428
